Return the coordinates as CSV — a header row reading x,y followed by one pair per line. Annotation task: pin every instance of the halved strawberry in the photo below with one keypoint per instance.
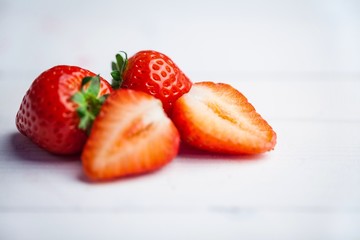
x,y
131,135
218,118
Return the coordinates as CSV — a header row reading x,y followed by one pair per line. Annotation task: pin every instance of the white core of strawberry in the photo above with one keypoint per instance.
x,y
153,113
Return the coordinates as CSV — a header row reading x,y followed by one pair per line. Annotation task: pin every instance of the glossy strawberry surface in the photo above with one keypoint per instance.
x,y
155,73
47,114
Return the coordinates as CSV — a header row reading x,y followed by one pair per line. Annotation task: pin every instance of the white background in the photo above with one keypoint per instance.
x,y
201,36
298,62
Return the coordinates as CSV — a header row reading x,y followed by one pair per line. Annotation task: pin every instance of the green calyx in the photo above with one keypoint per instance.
x,y
89,103
118,69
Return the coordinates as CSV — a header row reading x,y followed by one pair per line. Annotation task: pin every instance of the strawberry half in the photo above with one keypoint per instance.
x,y
218,118
151,72
131,135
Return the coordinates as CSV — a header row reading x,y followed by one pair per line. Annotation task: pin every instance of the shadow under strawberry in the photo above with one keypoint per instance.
x,y
119,180
22,148
187,152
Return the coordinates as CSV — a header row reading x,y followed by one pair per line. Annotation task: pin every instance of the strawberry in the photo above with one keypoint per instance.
x,y
153,73
131,135
218,118
49,116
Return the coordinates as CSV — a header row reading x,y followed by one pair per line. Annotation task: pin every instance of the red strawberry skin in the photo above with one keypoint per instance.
x,y
218,118
131,135
155,73
47,115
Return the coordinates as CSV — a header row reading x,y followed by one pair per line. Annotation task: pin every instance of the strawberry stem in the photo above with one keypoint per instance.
x,y
118,69
89,103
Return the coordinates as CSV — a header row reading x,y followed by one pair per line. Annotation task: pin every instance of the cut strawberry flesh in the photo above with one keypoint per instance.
x,y
131,135
216,117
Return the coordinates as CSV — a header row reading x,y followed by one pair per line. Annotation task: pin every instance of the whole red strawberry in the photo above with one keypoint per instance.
x,y
50,112
153,73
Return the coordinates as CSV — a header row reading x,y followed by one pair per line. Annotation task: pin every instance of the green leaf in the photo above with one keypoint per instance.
x,y
118,68
85,80
85,122
124,62
114,66
119,60
79,98
94,87
89,104
115,74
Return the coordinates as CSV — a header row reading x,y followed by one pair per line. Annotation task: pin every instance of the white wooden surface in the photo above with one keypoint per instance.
x,y
298,62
